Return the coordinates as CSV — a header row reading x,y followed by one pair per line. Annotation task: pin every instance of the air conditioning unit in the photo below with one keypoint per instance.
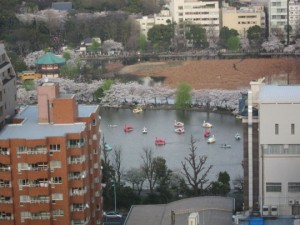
x,y
291,202
274,210
297,202
265,210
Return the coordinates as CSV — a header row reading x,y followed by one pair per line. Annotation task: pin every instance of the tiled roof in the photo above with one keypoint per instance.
x,y
49,59
279,94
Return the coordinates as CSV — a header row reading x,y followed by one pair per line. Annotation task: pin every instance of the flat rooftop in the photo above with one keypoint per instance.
x,y
31,129
279,94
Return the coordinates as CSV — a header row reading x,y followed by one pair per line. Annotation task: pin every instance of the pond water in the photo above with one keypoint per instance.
x,y
160,124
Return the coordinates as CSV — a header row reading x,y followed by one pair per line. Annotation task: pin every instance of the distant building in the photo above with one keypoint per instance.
x,y
48,65
86,46
212,210
50,170
147,22
63,6
8,89
278,13
294,18
244,18
272,151
204,13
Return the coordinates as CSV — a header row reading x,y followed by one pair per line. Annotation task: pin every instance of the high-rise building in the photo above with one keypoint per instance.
x,y
272,150
50,168
8,90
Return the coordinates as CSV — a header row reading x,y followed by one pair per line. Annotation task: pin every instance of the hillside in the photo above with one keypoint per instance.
x,y
219,74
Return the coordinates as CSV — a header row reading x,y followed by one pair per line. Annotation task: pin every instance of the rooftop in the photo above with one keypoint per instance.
x,y
31,129
279,94
49,59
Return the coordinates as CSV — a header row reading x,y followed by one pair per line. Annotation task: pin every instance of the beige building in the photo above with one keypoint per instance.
x,y
241,20
8,90
147,22
272,150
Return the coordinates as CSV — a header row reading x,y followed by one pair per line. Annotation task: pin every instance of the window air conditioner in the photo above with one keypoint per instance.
x,y
291,202
265,210
297,202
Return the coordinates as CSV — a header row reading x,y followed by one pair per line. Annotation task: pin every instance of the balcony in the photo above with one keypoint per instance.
x,y
5,156
77,167
6,208
38,207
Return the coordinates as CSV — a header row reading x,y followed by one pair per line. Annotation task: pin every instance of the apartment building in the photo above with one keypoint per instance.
x,y
147,22
50,168
244,18
294,18
204,13
8,90
272,150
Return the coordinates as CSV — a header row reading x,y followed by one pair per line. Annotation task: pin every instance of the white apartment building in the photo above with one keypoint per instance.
x,y
241,20
278,18
205,13
273,150
147,22
294,17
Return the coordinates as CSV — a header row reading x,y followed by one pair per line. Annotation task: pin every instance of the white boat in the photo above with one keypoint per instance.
x,y
179,130
211,140
237,136
225,146
178,124
145,131
206,124
112,125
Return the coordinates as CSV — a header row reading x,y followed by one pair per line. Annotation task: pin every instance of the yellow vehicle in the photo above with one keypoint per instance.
x,y
29,75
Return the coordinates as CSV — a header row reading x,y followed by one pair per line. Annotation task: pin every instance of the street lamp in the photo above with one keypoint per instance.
x,y
115,196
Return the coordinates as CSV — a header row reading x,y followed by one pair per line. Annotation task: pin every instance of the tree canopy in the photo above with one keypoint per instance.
x,y
161,35
197,36
183,96
254,34
225,34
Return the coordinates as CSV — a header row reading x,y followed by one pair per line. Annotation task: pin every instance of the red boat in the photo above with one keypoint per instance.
x,y
160,141
207,133
128,128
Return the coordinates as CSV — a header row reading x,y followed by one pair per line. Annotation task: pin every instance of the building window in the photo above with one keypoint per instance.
x,y
57,196
276,128
273,187
94,123
58,212
293,187
292,128
56,180
55,164
54,148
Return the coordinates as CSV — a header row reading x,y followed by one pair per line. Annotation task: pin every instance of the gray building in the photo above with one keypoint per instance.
x,y
210,210
8,91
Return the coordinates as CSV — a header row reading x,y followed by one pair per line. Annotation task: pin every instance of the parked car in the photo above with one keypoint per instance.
x,y
112,214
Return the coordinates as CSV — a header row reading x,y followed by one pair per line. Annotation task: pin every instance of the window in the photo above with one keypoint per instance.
x,y
292,128
94,122
56,180
276,128
293,187
57,196
24,198
55,164
21,149
54,148
58,212
273,187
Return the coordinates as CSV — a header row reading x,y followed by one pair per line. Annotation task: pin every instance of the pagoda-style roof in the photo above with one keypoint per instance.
x,y
49,59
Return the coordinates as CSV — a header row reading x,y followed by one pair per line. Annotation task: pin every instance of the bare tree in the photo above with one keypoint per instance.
x,y
149,167
197,176
117,162
136,177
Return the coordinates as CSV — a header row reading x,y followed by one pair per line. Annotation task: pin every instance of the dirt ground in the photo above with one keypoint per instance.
x,y
217,74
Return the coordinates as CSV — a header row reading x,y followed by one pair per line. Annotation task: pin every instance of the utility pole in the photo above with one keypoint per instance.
x,y
288,23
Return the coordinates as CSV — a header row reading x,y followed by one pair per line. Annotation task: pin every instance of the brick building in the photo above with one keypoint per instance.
x,y
50,168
